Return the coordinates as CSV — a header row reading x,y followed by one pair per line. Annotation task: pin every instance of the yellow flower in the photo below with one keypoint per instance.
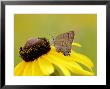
x,y
54,63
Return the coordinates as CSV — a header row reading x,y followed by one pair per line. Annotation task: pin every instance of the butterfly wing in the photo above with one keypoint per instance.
x,y
63,42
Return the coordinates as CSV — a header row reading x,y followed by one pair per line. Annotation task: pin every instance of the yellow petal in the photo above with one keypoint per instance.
x,y
80,58
64,59
28,69
36,71
72,66
76,57
18,70
46,67
76,44
56,63
79,71
65,71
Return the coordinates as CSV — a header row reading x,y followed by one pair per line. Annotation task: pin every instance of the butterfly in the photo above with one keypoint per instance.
x,y
63,42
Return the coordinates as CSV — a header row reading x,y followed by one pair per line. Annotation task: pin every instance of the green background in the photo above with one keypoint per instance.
x,y
47,25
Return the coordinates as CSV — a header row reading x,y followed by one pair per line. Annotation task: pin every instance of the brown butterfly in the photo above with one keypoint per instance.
x,y
63,42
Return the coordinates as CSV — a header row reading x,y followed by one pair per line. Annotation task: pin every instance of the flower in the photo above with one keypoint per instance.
x,y
54,63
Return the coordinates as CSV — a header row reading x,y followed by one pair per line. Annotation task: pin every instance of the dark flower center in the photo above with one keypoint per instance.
x,y
34,48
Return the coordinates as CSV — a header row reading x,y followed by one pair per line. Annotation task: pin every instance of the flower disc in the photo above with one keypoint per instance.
x,y
34,48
